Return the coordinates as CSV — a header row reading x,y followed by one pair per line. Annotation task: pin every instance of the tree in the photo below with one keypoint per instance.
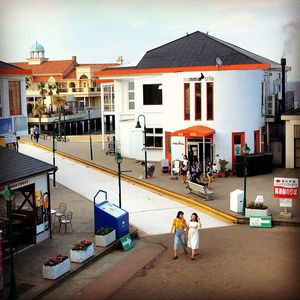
x,y
39,108
28,82
43,90
59,102
51,87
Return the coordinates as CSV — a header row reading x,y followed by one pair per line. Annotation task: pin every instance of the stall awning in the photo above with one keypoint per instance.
x,y
194,131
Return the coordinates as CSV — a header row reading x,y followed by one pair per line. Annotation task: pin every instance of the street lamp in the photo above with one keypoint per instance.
x,y
119,159
246,151
13,292
138,125
53,147
91,145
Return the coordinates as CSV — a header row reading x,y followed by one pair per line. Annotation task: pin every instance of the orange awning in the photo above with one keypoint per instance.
x,y
194,131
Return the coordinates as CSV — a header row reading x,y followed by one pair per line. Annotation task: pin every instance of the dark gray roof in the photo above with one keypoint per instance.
x,y
294,112
15,166
198,49
4,65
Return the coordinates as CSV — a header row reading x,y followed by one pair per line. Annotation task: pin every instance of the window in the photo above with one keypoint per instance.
x,y
152,94
210,100
131,103
109,98
197,101
154,137
256,141
187,107
14,98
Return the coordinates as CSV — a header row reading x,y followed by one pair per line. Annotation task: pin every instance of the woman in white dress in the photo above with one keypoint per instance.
x,y
193,234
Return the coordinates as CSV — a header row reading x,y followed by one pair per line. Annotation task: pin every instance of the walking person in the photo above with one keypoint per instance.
x,y
178,231
36,133
209,171
184,168
31,132
193,234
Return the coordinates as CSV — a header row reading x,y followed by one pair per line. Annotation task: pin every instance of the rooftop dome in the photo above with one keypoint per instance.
x,y
37,47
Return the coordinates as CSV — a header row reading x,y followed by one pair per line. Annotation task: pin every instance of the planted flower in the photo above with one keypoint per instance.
x,y
253,205
57,259
56,266
82,251
104,230
82,246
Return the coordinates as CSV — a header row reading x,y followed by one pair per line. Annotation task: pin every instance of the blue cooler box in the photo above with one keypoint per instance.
x,y
109,215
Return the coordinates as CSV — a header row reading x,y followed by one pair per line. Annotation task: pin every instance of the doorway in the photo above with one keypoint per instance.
x,y
238,141
195,150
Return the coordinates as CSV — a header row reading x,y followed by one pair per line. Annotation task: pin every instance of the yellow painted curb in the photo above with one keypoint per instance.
x,y
146,185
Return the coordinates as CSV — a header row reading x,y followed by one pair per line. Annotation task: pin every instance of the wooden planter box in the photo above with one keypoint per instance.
x,y
80,255
104,240
53,272
251,212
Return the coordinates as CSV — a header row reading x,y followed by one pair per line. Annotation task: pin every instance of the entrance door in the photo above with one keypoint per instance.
x,y
193,153
238,141
297,153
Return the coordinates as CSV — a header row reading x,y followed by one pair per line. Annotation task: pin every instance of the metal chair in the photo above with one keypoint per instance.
x,y
65,220
164,165
60,212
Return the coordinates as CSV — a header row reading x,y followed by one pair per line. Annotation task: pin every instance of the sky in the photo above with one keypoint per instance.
x,y
99,31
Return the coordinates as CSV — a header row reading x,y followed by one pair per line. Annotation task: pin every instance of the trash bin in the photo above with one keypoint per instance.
x,y
107,214
236,200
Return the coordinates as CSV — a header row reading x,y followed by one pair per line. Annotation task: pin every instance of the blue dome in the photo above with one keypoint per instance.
x,y
37,47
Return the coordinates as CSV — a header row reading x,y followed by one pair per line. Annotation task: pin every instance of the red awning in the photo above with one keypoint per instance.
x,y
194,131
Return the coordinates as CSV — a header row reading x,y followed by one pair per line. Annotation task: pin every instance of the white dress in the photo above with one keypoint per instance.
x,y
193,236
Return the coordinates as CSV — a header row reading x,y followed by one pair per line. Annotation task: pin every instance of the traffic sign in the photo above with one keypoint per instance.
x,y
286,188
126,242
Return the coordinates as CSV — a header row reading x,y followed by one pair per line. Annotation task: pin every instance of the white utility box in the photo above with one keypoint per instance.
x,y
236,201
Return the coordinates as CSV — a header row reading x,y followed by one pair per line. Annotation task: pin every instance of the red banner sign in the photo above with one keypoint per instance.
x,y
286,188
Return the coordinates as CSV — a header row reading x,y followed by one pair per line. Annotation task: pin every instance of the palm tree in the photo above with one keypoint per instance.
x,y
59,102
39,108
28,82
56,87
51,87
42,89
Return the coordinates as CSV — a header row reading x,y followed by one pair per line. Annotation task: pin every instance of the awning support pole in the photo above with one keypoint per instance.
x,y
203,159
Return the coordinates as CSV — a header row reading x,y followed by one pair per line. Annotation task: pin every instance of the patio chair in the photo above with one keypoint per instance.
x,y
164,165
176,168
65,220
60,211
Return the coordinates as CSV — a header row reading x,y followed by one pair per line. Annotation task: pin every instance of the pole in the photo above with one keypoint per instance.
x,y
245,183
65,125
13,292
53,151
146,171
119,176
91,146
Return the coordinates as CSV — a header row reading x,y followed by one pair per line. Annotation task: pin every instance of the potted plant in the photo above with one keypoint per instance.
x,y
82,251
56,266
256,210
105,236
223,163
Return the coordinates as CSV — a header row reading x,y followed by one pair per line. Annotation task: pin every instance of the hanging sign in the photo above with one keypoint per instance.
x,y
286,188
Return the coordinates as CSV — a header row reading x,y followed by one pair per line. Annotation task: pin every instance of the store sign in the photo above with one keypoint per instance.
x,y
286,188
285,202
208,78
261,222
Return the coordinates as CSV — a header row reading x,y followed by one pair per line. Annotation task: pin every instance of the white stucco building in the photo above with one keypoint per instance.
x,y
200,96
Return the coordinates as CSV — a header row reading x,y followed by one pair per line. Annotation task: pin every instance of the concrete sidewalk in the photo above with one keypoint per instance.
x,y
256,185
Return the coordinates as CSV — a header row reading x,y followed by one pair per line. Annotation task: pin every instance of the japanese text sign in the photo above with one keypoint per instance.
x,y
286,188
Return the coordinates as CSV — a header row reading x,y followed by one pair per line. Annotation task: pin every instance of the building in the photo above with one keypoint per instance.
x,y
13,110
292,138
71,80
200,96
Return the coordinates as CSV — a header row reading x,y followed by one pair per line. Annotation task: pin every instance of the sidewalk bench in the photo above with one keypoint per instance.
x,y
200,189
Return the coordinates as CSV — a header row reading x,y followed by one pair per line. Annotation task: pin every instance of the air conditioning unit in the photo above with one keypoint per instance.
x,y
270,106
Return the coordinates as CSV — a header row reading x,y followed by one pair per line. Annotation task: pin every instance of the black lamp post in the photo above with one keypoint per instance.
x,y
138,125
13,292
91,145
246,151
119,159
53,147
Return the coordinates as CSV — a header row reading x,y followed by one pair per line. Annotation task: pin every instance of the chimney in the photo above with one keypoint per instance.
x,y
119,60
74,59
283,64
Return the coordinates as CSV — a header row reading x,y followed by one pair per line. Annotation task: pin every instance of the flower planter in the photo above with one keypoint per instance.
x,y
104,240
53,272
81,255
252,212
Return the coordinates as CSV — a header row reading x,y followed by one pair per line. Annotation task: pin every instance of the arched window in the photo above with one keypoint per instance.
x,y
83,77
71,85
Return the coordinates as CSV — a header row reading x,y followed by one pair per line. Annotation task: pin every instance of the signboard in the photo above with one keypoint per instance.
x,y
285,202
261,222
6,126
126,242
286,188
259,199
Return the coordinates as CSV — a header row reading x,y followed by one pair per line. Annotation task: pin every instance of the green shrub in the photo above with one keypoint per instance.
x,y
104,230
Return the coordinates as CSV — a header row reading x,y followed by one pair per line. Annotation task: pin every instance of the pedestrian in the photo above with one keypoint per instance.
x,y
193,234
209,170
178,231
150,169
31,132
17,138
36,133
184,168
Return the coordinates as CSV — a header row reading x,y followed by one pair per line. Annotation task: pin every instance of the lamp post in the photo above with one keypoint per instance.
x,y
119,159
13,292
138,125
53,147
91,145
246,151
64,113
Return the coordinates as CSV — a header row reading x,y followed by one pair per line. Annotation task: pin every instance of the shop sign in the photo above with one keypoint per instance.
x,y
285,202
261,221
286,188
